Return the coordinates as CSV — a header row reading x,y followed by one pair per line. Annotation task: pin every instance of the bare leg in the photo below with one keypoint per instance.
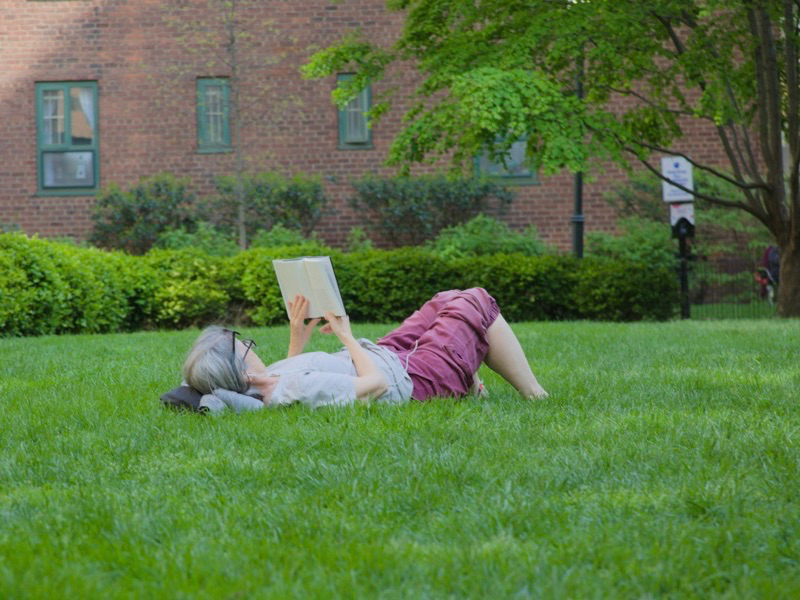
x,y
507,359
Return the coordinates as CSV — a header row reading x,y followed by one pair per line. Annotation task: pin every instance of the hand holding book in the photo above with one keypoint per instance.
x,y
313,278
338,325
299,331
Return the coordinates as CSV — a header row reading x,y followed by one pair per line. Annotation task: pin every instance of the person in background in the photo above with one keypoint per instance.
x,y
768,275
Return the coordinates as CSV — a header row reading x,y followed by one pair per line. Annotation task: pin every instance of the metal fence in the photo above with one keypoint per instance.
x,y
728,288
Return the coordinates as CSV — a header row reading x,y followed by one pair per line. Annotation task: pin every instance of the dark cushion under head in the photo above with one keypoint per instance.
x,y
184,397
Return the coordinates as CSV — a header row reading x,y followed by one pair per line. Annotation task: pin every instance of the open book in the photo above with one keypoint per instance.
x,y
312,277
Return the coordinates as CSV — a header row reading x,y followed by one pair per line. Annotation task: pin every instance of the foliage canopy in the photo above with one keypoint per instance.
x,y
495,70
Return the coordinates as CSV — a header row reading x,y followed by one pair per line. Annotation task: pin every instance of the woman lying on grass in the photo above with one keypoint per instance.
x,y
435,352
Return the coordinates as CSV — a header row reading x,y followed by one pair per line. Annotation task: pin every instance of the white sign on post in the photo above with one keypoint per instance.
x,y
684,210
679,170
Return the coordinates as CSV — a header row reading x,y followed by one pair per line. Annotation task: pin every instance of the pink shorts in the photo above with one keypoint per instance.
x,y
443,343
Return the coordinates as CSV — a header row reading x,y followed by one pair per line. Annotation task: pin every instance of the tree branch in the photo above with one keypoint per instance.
x,y
732,157
676,40
761,86
736,150
713,199
752,167
749,161
773,90
740,184
638,96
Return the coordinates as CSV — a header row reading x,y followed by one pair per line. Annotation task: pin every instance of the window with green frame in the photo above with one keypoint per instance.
x,y
213,115
67,148
514,167
353,130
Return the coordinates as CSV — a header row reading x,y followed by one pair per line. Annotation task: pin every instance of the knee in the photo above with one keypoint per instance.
x,y
480,293
484,303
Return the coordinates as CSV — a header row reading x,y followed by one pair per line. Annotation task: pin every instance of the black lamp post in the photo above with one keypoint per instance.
x,y
577,217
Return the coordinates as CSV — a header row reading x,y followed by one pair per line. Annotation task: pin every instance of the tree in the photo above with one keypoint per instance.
x,y
501,69
231,38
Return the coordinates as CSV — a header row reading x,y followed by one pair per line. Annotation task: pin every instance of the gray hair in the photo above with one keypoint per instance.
x,y
209,367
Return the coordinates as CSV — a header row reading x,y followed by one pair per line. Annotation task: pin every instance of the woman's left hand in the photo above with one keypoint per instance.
x,y
300,331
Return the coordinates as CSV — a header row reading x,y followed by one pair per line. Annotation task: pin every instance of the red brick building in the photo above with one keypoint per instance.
x,y
100,91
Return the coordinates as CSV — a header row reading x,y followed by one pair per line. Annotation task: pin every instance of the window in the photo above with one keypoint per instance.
x,y
514,167
66,120
213,115
353,130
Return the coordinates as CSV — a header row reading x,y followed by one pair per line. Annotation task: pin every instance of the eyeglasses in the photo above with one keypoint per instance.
x,y
247,343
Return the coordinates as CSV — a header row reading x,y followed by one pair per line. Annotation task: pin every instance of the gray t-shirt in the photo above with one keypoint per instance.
x,y
322,379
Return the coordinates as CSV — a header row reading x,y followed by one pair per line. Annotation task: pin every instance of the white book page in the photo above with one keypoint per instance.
x,y
293,280
326,294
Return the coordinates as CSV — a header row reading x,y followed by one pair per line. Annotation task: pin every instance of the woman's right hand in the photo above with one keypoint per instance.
x,y
337,325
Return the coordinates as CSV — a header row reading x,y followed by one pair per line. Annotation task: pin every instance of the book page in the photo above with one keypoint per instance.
x,y
293,280
325,289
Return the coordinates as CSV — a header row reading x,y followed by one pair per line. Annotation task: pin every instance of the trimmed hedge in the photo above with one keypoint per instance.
x,y
48,287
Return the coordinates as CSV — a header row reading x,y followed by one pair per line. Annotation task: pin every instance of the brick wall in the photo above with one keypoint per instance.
x,y
147,122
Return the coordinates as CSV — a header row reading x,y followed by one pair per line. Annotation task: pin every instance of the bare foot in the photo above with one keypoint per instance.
x,y
537,393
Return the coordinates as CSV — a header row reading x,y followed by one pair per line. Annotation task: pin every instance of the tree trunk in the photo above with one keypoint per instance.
x,y
241,200
789,282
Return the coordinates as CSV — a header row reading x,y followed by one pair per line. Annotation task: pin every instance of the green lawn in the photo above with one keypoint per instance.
x,y
756,309
664,463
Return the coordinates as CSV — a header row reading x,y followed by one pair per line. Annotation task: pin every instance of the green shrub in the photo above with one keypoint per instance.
x,y
613,290
283,236
32,290
190,288
258,287
271,199
48,287
357,240
411,210
641,241
526,288
484,235
132,220
388,285
205,237
141,280
258,291
95,294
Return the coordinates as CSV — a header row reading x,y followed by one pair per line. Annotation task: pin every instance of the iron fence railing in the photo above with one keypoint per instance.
x,y
728,288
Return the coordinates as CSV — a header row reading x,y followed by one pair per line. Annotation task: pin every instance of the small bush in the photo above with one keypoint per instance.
x,y
411,210
205,237
31,288
613,290
641,241
133,220
283,236
271,199
258,287
526,288
357,240
484,235
190,290
47,287
388,285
